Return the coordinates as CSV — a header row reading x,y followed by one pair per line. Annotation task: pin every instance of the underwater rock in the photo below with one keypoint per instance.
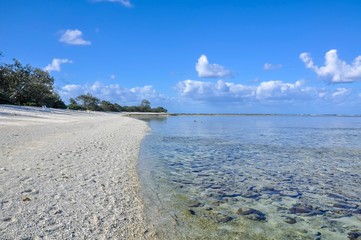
x,y
256,217
186,182
217,203
340,213
357,211
193,203
251,195
252,214
305,210
203,175
298,209
230,195
223,218
208,208
290,220
345,205
318,236
269,190
334,195
247,211
190,211
206,185
354,235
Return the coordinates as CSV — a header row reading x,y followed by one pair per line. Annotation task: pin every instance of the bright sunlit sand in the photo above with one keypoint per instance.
x,y
67,174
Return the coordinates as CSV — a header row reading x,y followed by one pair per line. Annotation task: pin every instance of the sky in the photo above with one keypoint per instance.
x,y
194,56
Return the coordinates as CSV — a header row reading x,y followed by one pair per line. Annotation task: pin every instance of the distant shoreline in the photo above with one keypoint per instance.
x,y
163,114
144,114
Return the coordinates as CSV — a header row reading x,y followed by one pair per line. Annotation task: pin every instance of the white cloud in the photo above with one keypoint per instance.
x,y
146,92
341,96
220,90
55,64
265,91
73,37
341,92
112,77
112,92
270,66
335,69
268,93
281,90
208,70
222,94
71,88
125,3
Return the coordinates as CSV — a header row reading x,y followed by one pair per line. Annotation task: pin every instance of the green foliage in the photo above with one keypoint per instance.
x,y
25,85
145,106
109,107
89,102
159,110
73,105
118,107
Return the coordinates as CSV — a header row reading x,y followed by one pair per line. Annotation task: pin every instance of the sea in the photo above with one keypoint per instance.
x,y
253,177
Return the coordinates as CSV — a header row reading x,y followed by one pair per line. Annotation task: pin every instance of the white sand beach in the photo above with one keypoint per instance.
x,y
69,175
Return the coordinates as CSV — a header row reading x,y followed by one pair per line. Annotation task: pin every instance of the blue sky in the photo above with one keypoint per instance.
x,y
208,56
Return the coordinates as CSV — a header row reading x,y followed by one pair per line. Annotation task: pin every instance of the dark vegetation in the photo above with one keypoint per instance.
x,y
29,86
89,102
25,85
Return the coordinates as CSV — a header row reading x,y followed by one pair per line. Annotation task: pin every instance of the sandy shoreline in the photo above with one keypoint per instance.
x,y
66,174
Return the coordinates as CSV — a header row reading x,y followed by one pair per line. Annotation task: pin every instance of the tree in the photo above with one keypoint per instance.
x,y
159,110
108,106
145,106
4,82
54,101
89,102
26,85
73,105
118,107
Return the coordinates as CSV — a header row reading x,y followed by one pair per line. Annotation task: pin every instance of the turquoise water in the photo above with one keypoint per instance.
x,y
253,177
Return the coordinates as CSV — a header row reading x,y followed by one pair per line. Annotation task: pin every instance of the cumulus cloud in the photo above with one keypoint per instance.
x,y
125,3
207,70
73,37
55,64
270,66
335,70
71,88
282,90
207,90
112,92
264,91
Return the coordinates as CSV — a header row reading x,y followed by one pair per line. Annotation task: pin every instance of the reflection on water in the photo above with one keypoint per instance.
x,y
270,177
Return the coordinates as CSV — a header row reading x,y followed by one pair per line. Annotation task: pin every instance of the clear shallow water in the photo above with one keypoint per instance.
x,y
253,177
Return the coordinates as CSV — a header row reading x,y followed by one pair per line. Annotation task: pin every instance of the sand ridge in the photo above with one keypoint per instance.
x,y
69,175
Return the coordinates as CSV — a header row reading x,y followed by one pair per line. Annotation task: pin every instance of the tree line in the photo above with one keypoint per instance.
x,y
29,86
91,103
